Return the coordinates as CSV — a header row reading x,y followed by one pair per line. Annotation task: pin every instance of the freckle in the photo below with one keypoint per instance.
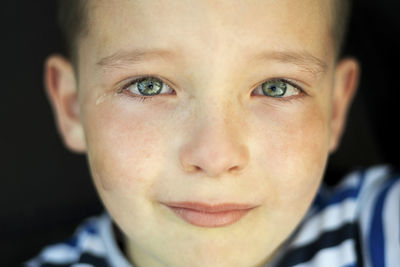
x,y
103,97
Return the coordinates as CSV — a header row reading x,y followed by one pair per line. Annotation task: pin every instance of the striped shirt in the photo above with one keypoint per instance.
x,y
357,223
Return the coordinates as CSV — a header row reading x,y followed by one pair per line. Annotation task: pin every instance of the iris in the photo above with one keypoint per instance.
x,y
274,88
149,86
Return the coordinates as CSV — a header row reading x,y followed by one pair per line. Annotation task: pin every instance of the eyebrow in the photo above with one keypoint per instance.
x,y
302,59
121,58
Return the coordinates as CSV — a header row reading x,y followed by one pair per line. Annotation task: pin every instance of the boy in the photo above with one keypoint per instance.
x,y
207,126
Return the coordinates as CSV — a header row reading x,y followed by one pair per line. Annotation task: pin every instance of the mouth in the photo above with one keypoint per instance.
x,y
205,215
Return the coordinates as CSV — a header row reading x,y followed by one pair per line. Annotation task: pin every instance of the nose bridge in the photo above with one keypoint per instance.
x,y
216,122
215,145
215,108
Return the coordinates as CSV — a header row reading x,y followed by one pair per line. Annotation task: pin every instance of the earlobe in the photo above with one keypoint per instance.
x,y
345,86
61,88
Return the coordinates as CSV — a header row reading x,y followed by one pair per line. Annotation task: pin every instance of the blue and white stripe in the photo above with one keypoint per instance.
x,y
355,225
93,245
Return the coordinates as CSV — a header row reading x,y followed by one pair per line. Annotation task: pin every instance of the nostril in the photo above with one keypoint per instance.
x,y
234,169
192,168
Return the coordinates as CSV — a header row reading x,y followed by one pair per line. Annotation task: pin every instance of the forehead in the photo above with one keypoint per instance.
x,y
212,26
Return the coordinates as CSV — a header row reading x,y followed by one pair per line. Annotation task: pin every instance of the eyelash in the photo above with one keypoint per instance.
x,y
140,98
289,82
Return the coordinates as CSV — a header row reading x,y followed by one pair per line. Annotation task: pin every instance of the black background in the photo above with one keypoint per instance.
x,y
46,190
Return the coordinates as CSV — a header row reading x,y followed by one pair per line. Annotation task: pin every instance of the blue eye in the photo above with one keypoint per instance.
x,y
146,86
274,88
279,88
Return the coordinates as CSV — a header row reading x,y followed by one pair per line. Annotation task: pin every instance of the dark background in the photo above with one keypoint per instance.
x,y
46,191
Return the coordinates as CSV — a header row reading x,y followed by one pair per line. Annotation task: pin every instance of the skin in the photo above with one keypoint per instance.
x,y
212,138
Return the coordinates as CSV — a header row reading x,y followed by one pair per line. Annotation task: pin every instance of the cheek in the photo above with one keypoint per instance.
x,y
307,153
295,150
306,138
121,148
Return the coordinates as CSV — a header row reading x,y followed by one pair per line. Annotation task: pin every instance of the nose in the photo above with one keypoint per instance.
x,y
215,145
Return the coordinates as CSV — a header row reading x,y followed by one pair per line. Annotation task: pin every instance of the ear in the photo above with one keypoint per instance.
x,y
61,88
345,86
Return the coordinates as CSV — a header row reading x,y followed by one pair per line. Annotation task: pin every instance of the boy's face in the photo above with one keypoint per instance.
x,y
211,135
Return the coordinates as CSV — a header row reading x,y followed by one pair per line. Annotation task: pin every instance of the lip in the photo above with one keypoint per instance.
x,y
206,215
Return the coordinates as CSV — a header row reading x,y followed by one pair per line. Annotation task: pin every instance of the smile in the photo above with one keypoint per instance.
x,y
205,215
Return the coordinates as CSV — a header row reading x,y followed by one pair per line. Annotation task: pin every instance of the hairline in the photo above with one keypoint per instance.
x,y
339,27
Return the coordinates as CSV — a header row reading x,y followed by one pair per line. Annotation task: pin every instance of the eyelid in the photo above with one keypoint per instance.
x,y
285,80
291,82
125,84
